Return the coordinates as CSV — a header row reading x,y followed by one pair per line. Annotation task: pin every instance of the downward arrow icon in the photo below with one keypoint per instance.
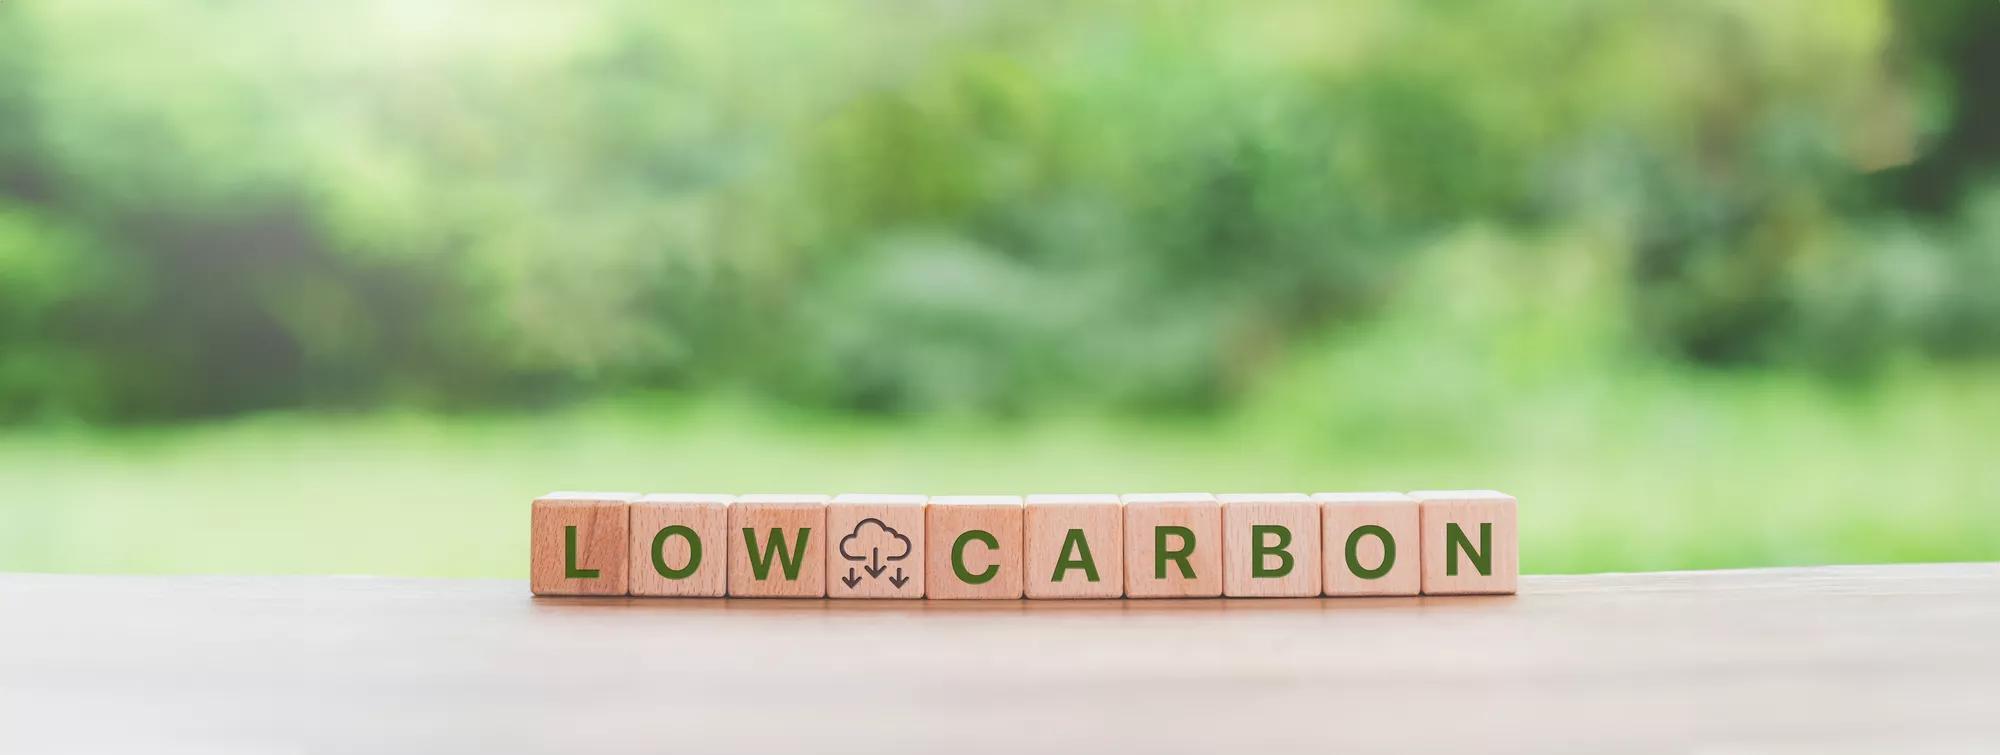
x,y
850,580
899,579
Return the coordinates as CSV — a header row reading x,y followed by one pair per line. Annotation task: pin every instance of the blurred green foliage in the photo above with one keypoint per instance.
x,y
982,207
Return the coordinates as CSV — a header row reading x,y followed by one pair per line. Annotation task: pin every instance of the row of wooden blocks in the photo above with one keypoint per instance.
x,y
1172,545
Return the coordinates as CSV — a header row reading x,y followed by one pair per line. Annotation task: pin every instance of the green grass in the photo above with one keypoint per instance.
x,y
1622,471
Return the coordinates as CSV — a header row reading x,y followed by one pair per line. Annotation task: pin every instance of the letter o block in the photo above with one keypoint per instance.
x,y
1173,546
1371,544
974,547
777,546
1074,545
1270,545
679,548
1468,542
577,543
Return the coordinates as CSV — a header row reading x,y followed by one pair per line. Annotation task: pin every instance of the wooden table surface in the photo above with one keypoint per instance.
x,y
1864,659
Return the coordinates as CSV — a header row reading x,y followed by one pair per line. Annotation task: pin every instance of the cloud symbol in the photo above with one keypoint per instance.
x,y
889,553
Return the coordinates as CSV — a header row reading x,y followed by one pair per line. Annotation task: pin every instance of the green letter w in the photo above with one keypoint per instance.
x,y
788,561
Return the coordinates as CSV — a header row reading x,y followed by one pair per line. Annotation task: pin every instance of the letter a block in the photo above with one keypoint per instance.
x,y
678,545
1468,542
777,546
875,546
1075,546
1173,546
975,547
1371,544
1270,545
577,544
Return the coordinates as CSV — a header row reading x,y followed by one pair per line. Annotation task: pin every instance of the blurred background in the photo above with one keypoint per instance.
x,y
340,287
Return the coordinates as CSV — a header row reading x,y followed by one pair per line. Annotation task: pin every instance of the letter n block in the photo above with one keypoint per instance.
x,y
875,546
1371,544
1270,545
577,542
777,546
1469,543
975,547
1173,546
679,546
1074,546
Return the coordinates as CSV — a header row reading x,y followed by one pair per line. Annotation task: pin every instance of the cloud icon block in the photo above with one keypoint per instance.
x,y
871,535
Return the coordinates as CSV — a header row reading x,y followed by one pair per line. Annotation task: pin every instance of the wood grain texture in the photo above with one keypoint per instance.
x,y
1099,523
949,517
1830,659
1471,511
599,541
884,559
1298,516
795,520
1396,514
706,516
1201,516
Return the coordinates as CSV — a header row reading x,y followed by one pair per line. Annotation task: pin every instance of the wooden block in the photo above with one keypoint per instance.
x,y
975,547
1074,546
1270,545
777,546
577,543
877,546
1469,542
1371,544
1173,546
678,546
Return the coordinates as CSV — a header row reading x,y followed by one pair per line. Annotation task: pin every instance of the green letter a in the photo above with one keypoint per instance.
x,y
1075,543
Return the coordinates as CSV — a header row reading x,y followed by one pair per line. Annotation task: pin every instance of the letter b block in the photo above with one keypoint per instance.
x,y
1468,542
679,545
777,546
577,544
1270,545
974,547
1173,546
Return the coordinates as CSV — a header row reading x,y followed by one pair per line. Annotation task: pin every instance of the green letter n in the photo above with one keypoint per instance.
x,y
789,562
1455,540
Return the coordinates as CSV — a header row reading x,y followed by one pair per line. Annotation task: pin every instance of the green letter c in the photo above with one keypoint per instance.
x,y
958,557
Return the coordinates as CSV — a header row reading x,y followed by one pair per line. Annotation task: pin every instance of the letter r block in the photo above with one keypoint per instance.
x,y
1270,545
1371,544
777,546
679,545
1469,543
576,543
875,546
1075,546
974,547
1173,546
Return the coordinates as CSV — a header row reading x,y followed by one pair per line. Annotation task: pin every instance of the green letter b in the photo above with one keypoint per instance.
x,y
1258,550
